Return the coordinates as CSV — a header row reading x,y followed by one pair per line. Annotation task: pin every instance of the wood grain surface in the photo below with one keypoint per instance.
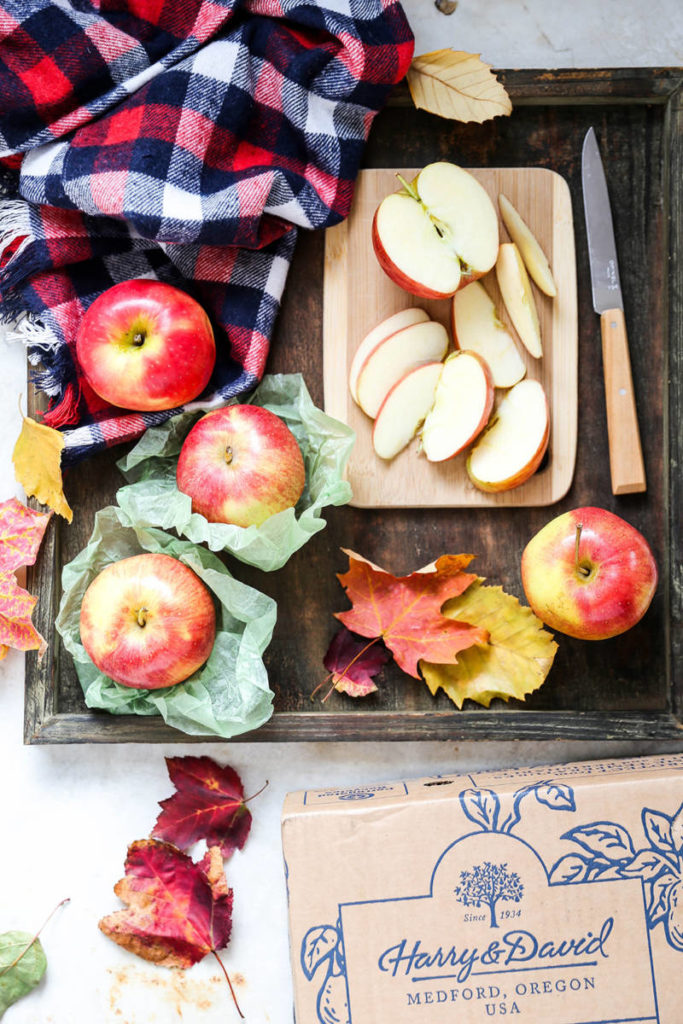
x,y
630,687
358,295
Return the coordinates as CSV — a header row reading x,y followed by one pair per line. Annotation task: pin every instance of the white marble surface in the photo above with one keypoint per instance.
x,y
69,812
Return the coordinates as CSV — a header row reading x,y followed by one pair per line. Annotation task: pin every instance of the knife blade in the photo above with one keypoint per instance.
x,y
625,451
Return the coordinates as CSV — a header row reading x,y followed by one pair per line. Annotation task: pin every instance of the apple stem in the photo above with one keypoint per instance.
x,y
228,454
142,617
409,188
579,568
138,339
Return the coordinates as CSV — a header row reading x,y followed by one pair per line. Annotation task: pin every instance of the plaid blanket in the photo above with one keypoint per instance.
x,y
184,140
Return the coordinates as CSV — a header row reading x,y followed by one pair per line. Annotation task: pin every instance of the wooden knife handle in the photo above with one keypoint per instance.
x,y
625,452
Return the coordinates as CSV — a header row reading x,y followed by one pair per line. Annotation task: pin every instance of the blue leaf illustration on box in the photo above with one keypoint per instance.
x,y
322,945
488,884
608,851
318,944
482,806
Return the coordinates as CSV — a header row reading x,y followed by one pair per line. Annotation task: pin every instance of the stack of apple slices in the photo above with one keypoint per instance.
x,y
399,378
394,374
435,238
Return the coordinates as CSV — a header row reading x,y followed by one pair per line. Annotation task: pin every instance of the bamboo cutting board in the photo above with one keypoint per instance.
x,y
358,295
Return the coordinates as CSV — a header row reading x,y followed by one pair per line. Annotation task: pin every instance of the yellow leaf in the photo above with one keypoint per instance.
x,y
514,662
457,85
37,459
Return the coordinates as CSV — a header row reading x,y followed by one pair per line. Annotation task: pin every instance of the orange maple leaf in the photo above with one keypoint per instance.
x,y
405,611
16,608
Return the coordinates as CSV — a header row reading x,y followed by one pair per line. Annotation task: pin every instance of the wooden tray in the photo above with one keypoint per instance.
x,y
358,294
627,688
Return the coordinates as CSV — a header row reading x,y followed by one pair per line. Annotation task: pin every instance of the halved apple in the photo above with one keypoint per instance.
x,y
392,324
462,406
404,409
529,247
437,233
392,358
511,449
515,288
476,327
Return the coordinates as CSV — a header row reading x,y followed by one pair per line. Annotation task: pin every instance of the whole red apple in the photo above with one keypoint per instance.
x,y
241,464
145,345
589,574
148,621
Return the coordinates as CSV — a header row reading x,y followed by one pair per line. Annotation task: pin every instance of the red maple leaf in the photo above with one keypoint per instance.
x,y
176,911
353,663
405,611
208,804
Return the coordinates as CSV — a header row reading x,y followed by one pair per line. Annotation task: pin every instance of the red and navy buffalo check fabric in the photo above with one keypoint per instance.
x,y
179,139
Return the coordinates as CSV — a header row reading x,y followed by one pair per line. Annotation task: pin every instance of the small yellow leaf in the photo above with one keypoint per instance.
x,y
37,465
457,85
514,662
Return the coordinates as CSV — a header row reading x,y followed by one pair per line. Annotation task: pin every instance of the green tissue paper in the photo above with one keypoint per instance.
x,y
230,694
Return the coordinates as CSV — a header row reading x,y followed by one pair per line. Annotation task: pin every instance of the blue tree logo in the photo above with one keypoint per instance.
x,y
486,885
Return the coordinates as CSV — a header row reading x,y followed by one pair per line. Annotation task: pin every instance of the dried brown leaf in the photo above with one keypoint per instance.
x,y
457,85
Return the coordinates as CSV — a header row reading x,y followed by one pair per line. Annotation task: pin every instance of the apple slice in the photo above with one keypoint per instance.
x,y
476,327
437,233
393,357
515,288
404,409
512,447
462,406
530,250
392,324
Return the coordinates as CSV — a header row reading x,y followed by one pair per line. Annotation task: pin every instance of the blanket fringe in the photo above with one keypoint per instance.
x,y
65,411
16,259
15,229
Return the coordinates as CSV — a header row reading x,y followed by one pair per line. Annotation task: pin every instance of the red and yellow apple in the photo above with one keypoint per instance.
x,y
589,574
148,621
437,233
241,464
146,346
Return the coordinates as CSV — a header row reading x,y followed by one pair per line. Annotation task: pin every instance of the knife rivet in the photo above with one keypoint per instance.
x,y
613,324
622,391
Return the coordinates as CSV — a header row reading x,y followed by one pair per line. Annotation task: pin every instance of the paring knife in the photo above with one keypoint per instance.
x,y
625,451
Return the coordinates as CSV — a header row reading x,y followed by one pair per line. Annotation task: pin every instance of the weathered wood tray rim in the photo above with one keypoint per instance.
x,y
44,723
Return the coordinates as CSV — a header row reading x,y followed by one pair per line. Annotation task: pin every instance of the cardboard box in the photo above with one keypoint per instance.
x,y
550,895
